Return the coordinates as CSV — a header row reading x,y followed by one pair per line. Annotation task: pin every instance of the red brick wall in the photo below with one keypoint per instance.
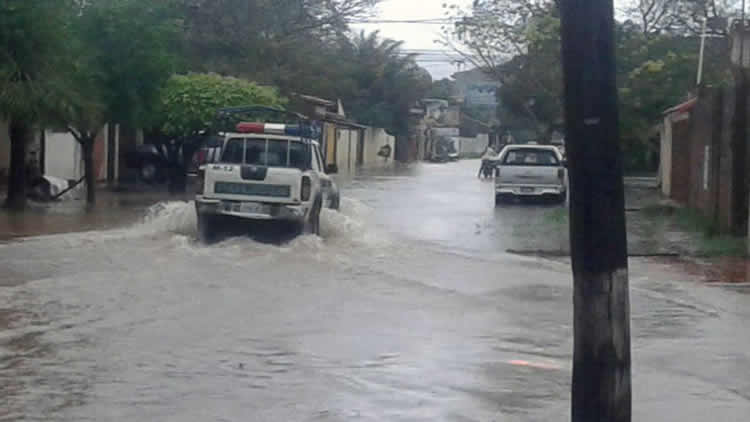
x,y
725,198
710,126
703,130
681,161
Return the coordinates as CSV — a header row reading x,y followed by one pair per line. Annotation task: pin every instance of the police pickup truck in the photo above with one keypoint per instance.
x,y
264,172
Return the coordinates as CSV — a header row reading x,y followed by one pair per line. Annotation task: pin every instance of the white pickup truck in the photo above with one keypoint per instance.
x,y
530,171
264,172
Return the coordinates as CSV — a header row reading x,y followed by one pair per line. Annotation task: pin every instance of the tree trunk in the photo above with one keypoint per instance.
x,y
20,135
739,176
87,145
601,387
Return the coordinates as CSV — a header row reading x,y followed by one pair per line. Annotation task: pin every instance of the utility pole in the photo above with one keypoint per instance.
x,y
601,387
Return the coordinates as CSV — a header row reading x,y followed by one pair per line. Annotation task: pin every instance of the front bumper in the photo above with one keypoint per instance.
x,y
530,190
266,211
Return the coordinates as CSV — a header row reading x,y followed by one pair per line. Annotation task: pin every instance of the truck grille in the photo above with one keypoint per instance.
x,y
253,189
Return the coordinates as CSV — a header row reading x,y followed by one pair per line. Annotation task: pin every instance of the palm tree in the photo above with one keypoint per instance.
x,y
32,44
389,82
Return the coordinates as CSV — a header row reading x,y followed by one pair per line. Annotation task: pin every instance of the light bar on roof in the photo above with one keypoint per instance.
x,y
275,129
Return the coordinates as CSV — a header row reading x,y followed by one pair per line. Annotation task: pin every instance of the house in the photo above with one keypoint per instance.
x,y
345,143
702,160
476,88
58,154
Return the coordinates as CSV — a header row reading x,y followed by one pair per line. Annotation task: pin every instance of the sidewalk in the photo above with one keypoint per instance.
x,y
114,208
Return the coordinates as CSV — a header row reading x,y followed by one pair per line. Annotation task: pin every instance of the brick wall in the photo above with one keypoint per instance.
x,y
703,130
724,170
681,160
703,159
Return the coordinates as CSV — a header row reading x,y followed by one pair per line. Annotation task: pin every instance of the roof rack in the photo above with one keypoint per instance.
x,y
232,119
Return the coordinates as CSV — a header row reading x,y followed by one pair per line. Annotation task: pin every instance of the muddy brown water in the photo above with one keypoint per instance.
x,y
406,309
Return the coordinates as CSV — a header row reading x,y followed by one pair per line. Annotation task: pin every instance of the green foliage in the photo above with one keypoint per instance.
x,y
443,89
380,84
189,102
656,67
127,49
33,56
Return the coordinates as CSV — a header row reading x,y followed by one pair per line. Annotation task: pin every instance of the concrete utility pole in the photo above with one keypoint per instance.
x,y
601,389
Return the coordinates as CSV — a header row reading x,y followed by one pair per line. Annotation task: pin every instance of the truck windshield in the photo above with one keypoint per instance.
x,y
531,157
267,152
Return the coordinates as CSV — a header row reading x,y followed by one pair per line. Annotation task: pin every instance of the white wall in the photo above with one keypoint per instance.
x,y
62,156
346,150
374,140
474,147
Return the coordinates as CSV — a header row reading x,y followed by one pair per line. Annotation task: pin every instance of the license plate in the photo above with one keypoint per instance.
x,y
527,190
252,208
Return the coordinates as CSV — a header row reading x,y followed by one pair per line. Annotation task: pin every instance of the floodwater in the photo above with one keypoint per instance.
x,y
407,308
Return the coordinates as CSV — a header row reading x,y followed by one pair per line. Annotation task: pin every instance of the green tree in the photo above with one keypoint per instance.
x,y
33,43
517,44
124,52
443,89
384,83
189,102
269,41
188,107
656,67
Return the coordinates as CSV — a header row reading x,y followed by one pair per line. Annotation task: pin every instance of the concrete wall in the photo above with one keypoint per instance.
x,y
373,141
665,165
473,147
345,152
4,152
700,185
64,159
698,160
33,150
680,189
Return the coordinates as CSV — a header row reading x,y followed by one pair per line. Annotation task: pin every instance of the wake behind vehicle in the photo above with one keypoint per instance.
x,y
528,171
264,173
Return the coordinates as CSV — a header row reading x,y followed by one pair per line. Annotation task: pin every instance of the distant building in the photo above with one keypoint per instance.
x,y
476,88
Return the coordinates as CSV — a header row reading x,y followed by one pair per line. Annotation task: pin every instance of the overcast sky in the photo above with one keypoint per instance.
x,y
416,36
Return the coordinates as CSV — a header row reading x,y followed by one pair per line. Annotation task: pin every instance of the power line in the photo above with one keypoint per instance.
x,y
436,21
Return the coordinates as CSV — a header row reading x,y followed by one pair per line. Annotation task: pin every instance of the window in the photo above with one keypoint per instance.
x,y
318,159
267,152
233,151
531,157
299,156
255,151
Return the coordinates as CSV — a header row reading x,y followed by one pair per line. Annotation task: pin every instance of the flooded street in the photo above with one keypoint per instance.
x,y
408,308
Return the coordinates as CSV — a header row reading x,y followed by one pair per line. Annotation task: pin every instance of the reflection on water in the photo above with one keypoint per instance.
x,y
112,210
389,316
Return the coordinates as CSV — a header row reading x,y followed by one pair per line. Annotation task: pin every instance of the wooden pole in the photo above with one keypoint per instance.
x,y
601,387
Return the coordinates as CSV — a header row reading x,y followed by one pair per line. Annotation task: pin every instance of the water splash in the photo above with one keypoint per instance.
x,y
351,227
176,217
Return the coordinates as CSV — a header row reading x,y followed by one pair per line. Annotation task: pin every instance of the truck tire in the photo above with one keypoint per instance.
x,y
312,225
206,229
335,203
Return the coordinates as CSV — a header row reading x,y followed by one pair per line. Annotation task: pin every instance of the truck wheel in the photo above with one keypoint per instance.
x,y
312,226
499,199
206,229
335,203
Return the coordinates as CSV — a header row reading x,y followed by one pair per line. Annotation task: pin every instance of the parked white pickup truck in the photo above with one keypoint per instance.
x,y
530,171
264,172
